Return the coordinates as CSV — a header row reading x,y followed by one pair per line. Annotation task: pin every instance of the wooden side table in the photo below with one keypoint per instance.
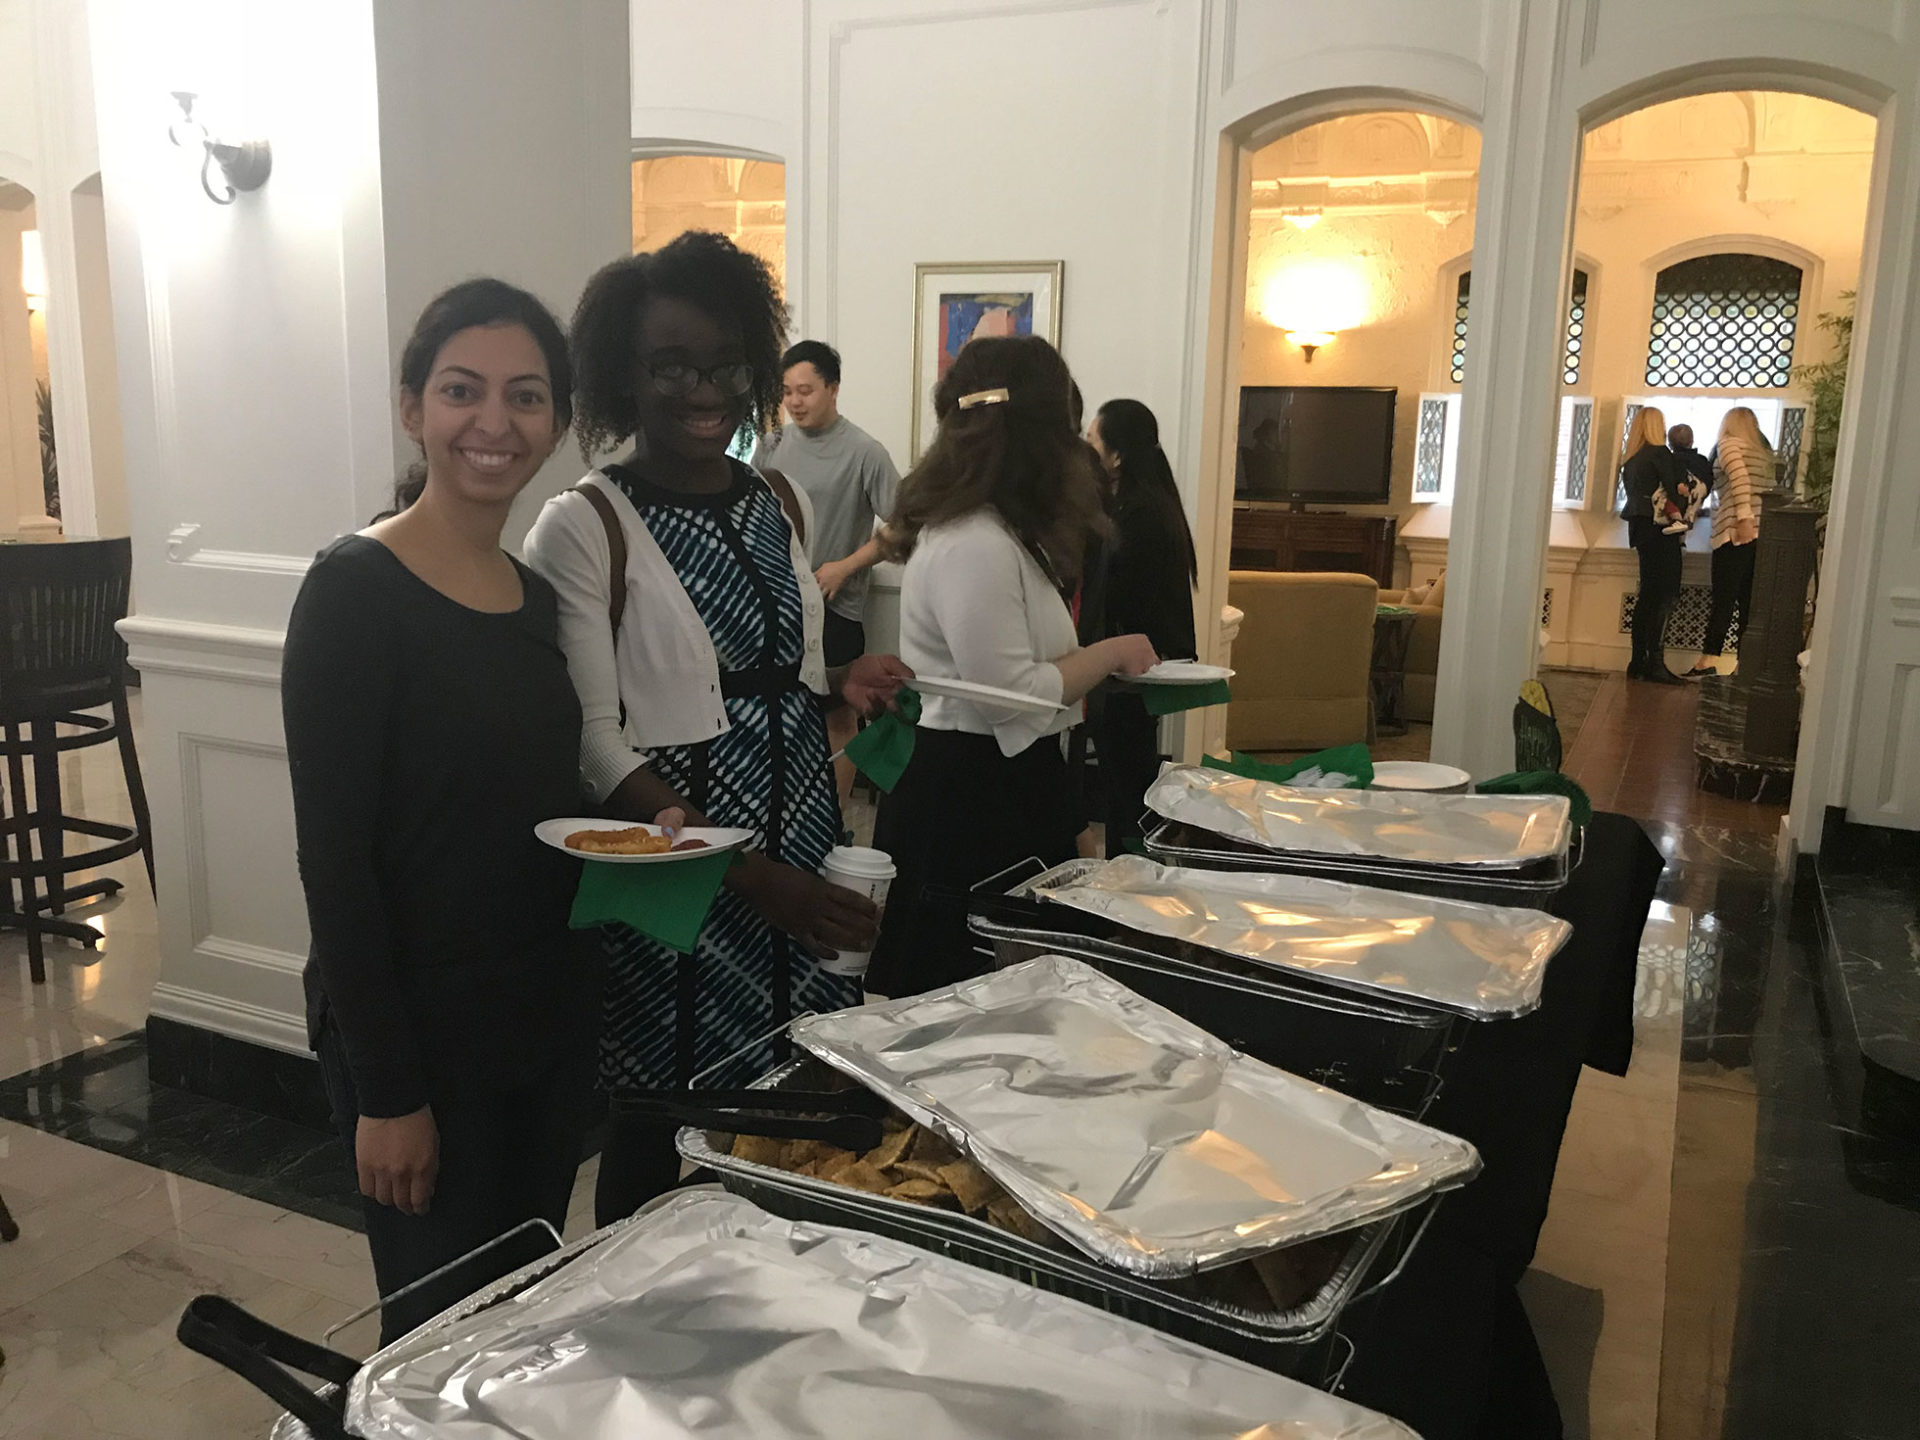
x,y
1392,633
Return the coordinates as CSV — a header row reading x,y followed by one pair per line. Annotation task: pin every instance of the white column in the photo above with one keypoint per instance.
x,y
1502,506
413,145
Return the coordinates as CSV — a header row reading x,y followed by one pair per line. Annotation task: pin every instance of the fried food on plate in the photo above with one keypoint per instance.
x,y
635,840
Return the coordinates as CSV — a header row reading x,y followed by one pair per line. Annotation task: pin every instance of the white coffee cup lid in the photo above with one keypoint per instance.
x,y
862,860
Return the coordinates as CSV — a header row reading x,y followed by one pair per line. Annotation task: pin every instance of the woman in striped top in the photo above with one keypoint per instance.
x,y
1742,468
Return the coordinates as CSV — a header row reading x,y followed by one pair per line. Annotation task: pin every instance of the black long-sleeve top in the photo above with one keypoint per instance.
x,y
425,741
1650,468
1149,588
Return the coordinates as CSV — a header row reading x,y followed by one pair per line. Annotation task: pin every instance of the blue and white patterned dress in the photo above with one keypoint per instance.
x,y
772,744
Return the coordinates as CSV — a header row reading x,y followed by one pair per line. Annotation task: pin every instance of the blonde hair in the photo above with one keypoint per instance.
x,y
1649,428
1742,426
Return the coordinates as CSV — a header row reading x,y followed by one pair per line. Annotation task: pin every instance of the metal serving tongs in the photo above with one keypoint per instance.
x,y
849,1119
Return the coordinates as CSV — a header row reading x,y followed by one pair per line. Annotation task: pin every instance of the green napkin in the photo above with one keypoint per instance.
x,y
1354,760
1541,782
1171,699
1394,610
883,747
668,902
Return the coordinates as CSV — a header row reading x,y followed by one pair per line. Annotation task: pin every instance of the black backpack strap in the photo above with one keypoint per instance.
x,y
789,502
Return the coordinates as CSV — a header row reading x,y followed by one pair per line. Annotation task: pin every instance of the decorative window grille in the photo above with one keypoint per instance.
x,y
1572,449
1724,322
1793,433
1436,452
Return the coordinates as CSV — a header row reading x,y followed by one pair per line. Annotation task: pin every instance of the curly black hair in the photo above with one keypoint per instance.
x,y
706,270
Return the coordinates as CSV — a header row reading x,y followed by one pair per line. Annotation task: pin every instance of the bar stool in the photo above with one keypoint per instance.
x,y
61,657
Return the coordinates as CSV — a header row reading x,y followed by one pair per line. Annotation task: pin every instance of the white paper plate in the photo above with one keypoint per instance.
x,y
1419,775
555,833
1183,672
989,697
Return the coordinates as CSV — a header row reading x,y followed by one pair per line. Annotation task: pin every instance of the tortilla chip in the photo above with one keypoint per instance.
x,y
762,1150
918,1170
1007,1214
931,1148
835,1164
892,1149
970,1185
859,1175
921,1192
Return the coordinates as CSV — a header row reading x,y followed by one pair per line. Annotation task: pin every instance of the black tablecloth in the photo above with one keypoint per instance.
x,y
1447,1347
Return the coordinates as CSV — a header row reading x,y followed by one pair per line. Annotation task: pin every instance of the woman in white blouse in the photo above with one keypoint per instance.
x,y
994,522
1742,468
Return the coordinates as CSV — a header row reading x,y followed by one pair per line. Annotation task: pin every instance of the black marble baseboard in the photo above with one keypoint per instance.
x,y
1869,917
267,1081
104,1097
1723,766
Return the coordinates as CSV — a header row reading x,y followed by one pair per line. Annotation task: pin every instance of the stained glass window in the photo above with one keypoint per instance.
x,y
1459,370
1724,322
1429,455
1576,329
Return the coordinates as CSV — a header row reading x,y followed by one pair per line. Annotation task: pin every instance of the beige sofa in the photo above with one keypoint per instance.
x,y
1423,649
1302,659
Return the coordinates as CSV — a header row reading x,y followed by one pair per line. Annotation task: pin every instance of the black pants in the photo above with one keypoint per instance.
x,y
1732,587
1128,740
961,812
638,1162
505,1158
1659,588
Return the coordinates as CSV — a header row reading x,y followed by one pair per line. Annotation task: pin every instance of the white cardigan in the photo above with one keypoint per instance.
x,y
975,605
664,663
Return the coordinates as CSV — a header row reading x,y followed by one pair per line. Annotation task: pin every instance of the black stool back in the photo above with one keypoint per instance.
x,y
59,604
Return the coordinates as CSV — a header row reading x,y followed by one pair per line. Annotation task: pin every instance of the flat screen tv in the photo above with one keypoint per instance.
x,y
1325,444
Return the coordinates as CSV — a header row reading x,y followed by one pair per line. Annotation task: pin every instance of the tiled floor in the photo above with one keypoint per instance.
x,y
1673,1217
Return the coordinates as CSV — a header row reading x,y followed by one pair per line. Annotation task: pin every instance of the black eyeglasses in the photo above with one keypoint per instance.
x,y
732,379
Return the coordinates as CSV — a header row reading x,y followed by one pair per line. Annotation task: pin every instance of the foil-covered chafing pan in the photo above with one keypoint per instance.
x,y
1481,961
1386,827
1148,1143
1296,1342
1389,1053
709,1317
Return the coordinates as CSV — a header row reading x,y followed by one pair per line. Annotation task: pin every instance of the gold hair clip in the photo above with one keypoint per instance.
x,y
985,397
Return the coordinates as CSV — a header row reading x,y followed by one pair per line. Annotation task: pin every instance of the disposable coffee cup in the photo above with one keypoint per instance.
x,y
865,871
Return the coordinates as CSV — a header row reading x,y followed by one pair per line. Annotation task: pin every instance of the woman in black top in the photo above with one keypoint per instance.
x,y
430,726
1148,589
1650,471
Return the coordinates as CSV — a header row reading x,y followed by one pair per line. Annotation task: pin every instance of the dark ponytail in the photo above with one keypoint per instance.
x,y
1128,429
466,305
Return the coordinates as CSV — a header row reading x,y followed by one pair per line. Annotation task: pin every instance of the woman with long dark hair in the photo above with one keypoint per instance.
x,y
700,674
993,524
430,726
1151,570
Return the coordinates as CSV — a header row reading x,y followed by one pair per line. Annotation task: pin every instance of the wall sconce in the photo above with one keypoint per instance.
x,y
33,269
245,165
1309,341
1315,300
1302,219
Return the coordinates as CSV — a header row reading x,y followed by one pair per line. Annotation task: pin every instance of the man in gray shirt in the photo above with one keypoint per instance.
x,y
850,479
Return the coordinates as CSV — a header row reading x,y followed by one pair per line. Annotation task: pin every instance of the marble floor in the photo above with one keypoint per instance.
x,y
1701,1219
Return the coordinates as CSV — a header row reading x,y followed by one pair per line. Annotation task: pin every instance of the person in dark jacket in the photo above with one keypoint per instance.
x,y
1150,572
1650,472
430,725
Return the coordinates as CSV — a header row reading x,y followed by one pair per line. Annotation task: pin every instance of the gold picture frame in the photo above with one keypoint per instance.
x,y
951,303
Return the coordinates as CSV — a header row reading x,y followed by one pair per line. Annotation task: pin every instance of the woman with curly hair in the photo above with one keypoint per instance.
x,y
692,628
994,524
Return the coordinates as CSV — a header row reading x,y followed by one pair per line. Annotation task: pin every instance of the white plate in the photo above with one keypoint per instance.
x,y
989,697
1419,775
555,833
1183,672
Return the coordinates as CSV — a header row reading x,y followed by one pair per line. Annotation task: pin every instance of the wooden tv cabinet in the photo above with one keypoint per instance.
x,y
1271,537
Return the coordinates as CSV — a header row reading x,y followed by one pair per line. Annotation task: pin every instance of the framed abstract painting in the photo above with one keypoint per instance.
x,y
957,303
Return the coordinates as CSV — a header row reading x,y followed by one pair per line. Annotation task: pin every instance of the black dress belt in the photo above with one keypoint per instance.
x,y
765,681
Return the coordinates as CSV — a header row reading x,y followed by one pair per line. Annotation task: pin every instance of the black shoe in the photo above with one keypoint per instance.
x,y
1662,676
1635,671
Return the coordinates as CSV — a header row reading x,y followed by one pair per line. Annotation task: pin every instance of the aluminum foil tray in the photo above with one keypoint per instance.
x,y
1143,1140
1286,1340
1483,961
711,1318
1395,827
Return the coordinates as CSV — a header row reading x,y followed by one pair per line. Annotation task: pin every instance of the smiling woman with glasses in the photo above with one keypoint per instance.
x,y
692,626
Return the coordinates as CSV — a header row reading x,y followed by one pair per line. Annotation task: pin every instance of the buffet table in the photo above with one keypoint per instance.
x,y
1447,1347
